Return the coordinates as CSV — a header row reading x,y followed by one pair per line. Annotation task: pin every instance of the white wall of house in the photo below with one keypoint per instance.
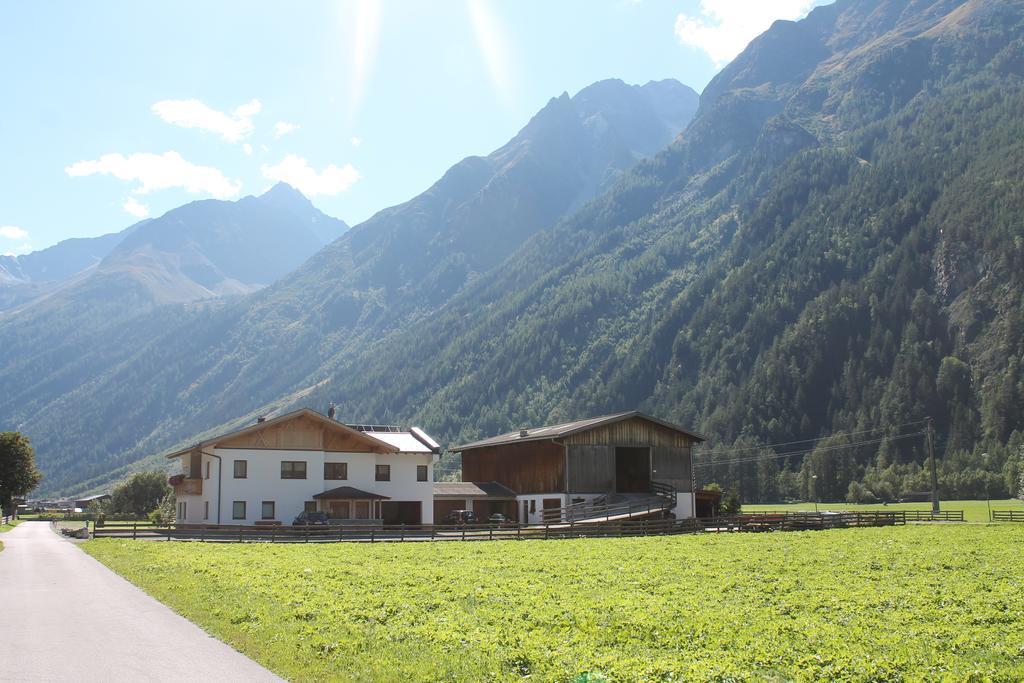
x,y
264,483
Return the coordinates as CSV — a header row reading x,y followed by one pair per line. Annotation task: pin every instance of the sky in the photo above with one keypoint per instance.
x,y
116,111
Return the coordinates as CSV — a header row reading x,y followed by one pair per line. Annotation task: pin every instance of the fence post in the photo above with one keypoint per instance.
x,y
545,531
135,530
202,534
168,533
240,533
463,532
373,535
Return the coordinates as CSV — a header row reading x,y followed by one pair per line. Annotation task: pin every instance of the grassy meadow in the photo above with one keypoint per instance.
x,y
974,510
897,603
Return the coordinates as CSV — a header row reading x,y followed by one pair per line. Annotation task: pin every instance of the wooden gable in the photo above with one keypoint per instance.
x,y
304,433
635,431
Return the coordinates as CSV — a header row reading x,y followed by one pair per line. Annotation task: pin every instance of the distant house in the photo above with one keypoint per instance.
x,y
621,457
83,503
271,471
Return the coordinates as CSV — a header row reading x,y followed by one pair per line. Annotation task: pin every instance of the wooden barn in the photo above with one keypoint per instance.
x,y
627,457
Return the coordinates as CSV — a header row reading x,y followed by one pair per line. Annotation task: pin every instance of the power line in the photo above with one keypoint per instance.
x,y
777,456
817,438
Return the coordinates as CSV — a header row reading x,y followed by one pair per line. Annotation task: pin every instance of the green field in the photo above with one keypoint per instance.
x,y
915,602
974,510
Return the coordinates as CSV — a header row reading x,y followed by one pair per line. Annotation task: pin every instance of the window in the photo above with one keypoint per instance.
x,y
293,469
533,506
309,506
335,470
383,472
421,472
241,469
268,509
181,510
207,470
206,509
238,509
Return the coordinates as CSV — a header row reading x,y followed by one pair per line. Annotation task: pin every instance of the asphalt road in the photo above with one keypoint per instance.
x,y
66,617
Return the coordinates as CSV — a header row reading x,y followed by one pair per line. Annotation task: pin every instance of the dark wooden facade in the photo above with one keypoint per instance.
x,y
531,467
625,455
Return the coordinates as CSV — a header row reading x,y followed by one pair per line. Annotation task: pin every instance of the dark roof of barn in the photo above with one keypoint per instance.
x,y
349,493
473,489
567,428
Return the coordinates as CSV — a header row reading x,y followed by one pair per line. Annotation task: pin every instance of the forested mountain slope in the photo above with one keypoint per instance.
x,y
834,244
110,390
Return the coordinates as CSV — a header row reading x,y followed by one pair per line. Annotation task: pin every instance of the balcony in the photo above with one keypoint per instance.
x,y
185,486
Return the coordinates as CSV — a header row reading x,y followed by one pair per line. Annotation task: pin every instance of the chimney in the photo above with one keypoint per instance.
x,y
331,410
261,418
523,433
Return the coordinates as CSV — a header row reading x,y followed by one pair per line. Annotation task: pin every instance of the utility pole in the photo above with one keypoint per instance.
x,y
930,442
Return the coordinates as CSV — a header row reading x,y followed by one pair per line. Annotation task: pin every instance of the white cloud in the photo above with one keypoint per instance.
x,y
136,208
195,114
283,128
159,172
355,141
247,148
13,232
724,27
297,172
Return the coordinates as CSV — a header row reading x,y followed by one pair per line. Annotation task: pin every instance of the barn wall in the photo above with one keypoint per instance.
x,y
531,467
591,468
673,466
633,432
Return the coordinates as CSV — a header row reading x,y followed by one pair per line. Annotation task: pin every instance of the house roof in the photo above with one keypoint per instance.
x,y
307,412
404,441
96,496
559,431
473,489
349,493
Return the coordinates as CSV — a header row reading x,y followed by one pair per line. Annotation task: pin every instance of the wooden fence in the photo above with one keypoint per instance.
x,y
491,532
929,516
1007,516
803,521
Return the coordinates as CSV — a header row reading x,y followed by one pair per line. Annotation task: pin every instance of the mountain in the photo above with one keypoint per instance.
x,y
833,245
108,345
25,277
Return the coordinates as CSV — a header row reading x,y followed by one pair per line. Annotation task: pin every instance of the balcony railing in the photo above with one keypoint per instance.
x,y
183,486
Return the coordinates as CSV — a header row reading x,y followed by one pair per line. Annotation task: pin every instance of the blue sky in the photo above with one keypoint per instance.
x,y
117,110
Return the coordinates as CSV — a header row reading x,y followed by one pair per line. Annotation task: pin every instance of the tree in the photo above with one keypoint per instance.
x,y
140,493
18,473
166,512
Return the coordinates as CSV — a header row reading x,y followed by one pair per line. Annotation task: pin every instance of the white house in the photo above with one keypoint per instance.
x,y
271,471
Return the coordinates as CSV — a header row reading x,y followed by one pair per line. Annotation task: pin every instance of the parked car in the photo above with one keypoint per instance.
x,y
461,517
311,519
500,520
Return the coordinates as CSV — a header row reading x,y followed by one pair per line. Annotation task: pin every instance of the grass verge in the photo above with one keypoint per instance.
x,y
916,602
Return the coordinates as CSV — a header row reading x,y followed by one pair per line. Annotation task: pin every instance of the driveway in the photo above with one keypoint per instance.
x,y
66,617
